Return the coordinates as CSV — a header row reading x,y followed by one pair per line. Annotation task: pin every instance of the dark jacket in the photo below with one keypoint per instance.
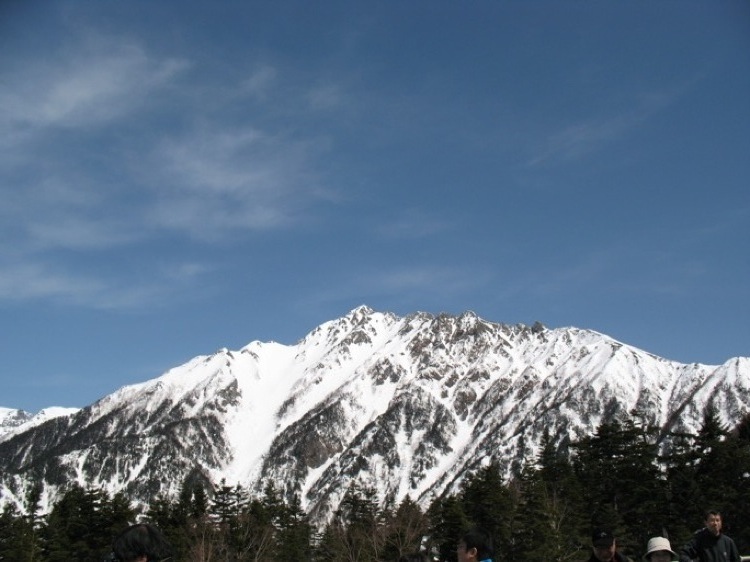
x,y
707,547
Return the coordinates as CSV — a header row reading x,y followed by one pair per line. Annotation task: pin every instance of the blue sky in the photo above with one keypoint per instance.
x,y
177,177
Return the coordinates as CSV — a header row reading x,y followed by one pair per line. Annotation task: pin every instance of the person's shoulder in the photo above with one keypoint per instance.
x,y
703,534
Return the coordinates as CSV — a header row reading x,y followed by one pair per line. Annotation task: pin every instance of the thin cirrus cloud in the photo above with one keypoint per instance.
x,y
579,139
80,233
87,88
32,280
199,171
214,180
412,225
210,174
37,280
259,84
50,112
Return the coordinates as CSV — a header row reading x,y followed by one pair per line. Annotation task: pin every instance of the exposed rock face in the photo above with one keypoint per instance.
x,y
405,405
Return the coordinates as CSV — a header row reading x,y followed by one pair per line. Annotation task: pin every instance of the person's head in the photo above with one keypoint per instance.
x,y
713,522
659,550
604,545
141,543
474,546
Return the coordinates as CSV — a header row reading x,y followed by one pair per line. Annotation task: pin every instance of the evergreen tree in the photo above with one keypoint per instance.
x,y
405,530
544,521
294,532
448,522
714,463
643,498
359,520
79,527
488,504
565,494
14,535
683,510
227,503
705,471
172,520
723,472
33,518
624,489
331,546
228,511
254,535
740,525
198,502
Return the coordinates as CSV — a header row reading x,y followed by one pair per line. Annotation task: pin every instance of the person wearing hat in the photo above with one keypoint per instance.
x,y
659,550
604,547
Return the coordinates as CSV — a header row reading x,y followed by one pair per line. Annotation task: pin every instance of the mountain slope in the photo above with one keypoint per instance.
x,y
406,405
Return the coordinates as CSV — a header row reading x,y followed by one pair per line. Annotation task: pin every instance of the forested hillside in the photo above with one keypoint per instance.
x,y
625,476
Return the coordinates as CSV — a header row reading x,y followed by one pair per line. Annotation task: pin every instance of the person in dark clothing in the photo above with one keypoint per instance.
x,y
140,543
604,546
710,544
475,546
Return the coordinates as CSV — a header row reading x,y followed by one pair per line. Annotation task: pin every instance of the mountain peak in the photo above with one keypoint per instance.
x,y
406,405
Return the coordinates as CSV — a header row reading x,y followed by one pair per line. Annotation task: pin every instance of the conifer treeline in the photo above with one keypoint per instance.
x,y
626,477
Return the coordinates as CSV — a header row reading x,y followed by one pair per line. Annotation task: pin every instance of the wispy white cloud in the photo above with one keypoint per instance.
x,y
83,89
61,184
259,84
79,233
213,168
412,224
109,145
581,138
63,210
216,161
185,272
34,280
625,268
37,280
219,179
326,96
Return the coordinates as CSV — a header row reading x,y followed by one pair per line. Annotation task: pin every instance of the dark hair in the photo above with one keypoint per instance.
x,y
481,540
711,512
139,540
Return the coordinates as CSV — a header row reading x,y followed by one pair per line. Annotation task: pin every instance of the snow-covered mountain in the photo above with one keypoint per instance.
x,y
11,419
405,405
18,421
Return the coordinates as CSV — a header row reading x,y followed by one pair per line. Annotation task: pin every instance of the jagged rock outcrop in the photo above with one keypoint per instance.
x,y
404,405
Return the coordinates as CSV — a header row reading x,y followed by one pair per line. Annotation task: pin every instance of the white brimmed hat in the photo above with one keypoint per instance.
x,y
658,544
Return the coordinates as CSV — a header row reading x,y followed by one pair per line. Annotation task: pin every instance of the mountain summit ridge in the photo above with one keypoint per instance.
x,y
406,405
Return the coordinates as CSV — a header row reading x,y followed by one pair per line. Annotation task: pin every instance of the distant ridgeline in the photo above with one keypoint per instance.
x,y
375,413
